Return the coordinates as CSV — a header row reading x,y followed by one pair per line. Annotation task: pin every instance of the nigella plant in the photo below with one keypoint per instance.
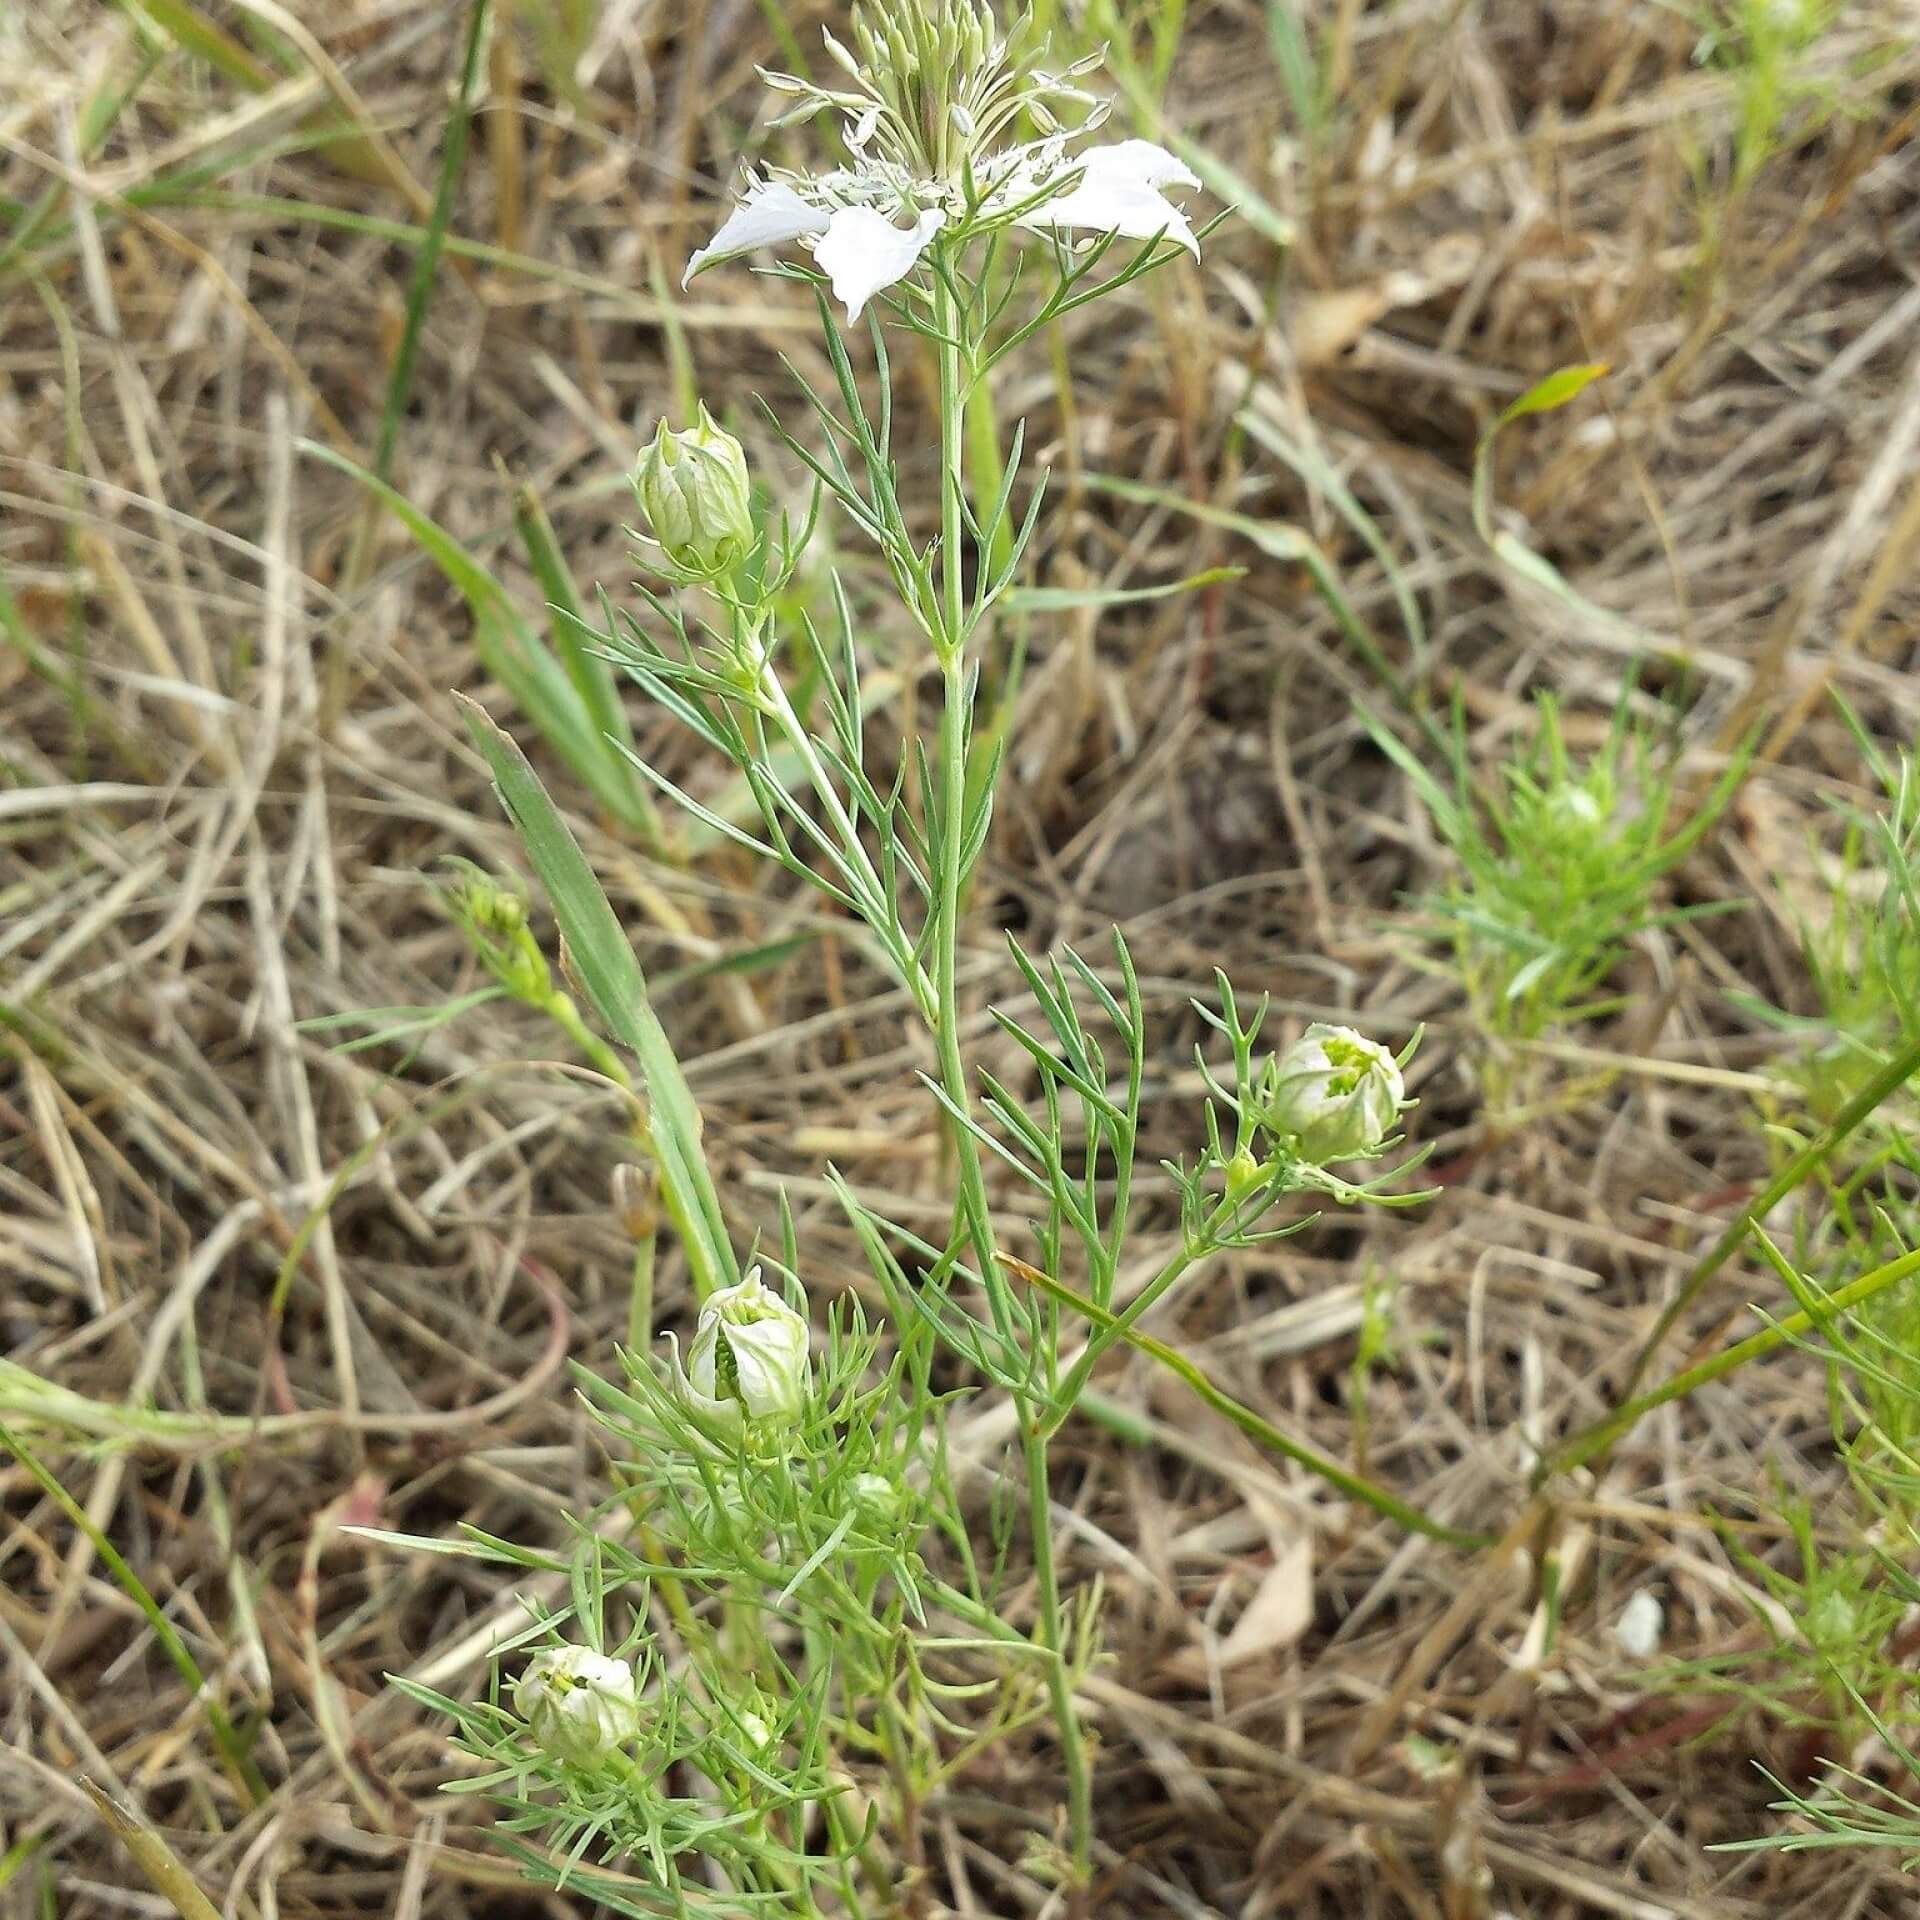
x,y
782,1632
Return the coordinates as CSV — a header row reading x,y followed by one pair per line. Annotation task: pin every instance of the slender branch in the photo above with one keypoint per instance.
x,y
1389,1505
1599,1439
1888,1080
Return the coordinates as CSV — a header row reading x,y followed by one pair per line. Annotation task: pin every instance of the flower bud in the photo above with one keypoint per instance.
x,y
636,1200
1243,1174
872,1495
494,914
1831,1622
749,1354
1333,1095
697,497
578,1704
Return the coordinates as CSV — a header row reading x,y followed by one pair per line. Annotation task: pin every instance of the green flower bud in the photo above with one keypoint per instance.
x,y
1832,1621
1333,1095
1243,1174
873,1495
697,498
579,1705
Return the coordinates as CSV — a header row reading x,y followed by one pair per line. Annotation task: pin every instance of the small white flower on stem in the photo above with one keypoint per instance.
x,y
748,1355
863,253
1119,191
579,1705
770,213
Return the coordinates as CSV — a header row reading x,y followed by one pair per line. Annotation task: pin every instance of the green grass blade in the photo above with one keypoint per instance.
x,y
232,1747
602,957
591,676
512,651
426,265
195,35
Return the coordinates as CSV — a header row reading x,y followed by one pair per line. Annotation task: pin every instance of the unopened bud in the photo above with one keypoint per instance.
x,y
873,1495
1243,1174
697,497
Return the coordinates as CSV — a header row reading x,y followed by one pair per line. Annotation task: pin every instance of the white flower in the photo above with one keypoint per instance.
x,y
770,213
749,1355
862,252
867,227
1118,191
1334,1094
1642,1620
578,1704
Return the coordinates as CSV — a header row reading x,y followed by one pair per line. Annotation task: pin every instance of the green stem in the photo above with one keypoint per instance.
x,y
1589,1445
1814,1154
1107,1332
973,1210
1322,1465
913,975
1073,1752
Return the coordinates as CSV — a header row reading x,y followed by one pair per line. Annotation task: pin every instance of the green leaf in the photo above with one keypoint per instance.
x,y
1061,599
514,654
1553,392
604,960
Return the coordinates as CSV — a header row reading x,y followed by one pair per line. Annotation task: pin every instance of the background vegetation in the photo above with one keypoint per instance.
x,y
328,335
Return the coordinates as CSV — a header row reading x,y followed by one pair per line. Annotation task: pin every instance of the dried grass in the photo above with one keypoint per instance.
x,y
236,760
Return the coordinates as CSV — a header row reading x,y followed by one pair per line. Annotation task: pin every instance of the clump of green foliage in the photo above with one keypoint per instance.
x,y
1558,868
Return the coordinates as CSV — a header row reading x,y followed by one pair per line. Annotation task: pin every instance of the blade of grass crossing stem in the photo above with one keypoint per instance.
x,y
514,654
1597,1440
1814,1155
1513,553
194,34
604,960
1389,1505
189,29
591,676
232,1747
1308,464
1281,540
98,116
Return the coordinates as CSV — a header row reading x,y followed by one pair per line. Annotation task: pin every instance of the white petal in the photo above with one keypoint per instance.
x,y
863,251
1139,163
769,213
1119,193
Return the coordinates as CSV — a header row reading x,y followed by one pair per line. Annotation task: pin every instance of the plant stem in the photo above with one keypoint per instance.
x,y
973,1210
1894,1075
1597,1440
1341,1478
1073,1752
1106,1333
